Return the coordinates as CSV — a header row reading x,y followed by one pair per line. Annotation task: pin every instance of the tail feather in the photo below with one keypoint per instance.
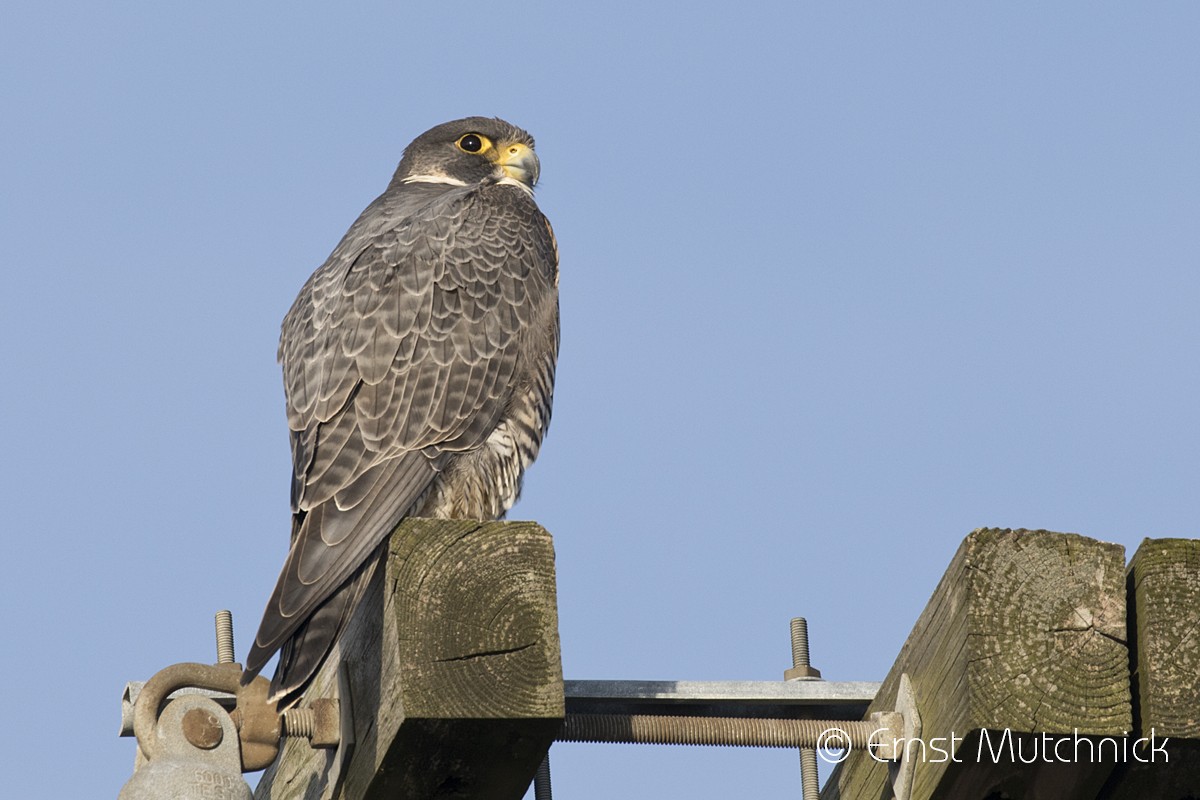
x,y
332,556
303,654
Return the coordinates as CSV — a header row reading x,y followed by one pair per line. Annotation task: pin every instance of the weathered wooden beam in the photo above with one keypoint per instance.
x,y
454,668
1024,635
1164,625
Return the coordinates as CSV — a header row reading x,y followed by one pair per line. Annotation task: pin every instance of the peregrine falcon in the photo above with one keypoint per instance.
x,y
418,366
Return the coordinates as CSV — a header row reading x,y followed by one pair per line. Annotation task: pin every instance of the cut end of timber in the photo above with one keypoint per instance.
x,y
454,668
1025,633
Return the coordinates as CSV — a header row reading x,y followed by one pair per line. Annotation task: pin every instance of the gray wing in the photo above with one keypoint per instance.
x,y
400,351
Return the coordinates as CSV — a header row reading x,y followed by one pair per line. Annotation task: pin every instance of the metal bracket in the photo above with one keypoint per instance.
x,y
901,771
324,722
345,745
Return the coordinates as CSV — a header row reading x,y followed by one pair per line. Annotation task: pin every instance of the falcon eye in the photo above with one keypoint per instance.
x,y
473,143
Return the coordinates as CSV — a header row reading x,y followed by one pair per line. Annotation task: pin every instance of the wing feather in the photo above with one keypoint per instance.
x,y
400,351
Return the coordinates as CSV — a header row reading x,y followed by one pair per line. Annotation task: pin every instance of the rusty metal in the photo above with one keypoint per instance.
x,y
186,745
801,669
256,720
225,637
319,722
180,769
902,770
202,728
219,677
134,688
810,777
258,723
346,740
799,629
878,733
299,722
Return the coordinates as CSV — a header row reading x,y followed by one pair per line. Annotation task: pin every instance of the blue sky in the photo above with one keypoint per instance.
x,y
840,283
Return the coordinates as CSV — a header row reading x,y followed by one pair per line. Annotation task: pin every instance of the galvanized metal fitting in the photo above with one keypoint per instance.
x,y
885,734
319,722
802,674
202,728
801,670
257,724
224,620
878,734
325,722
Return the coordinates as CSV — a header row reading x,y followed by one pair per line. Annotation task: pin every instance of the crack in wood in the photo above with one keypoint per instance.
x,y
485,654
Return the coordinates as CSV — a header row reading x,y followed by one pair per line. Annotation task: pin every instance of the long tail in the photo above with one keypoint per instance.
x,y
303,654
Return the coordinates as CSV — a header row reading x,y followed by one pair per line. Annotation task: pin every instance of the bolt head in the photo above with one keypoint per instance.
x,y
802,674
202,729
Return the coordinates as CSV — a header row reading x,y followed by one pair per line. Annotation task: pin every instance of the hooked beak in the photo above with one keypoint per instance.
x,y
518,162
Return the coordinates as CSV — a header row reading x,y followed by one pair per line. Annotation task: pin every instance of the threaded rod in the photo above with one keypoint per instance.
x,y
541,780
810,777
728,731
800,642
225,637
299,722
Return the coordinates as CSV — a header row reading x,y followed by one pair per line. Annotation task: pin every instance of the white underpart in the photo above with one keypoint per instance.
x,y
434,177
507,181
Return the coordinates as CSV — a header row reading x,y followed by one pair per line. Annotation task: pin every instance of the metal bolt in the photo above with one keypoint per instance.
x,y
733,731
299,722
224,637
799,642
801,669
202,729
810,779
319,722
541,780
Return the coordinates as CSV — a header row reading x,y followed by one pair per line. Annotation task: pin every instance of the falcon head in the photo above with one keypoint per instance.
x,y
471,151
